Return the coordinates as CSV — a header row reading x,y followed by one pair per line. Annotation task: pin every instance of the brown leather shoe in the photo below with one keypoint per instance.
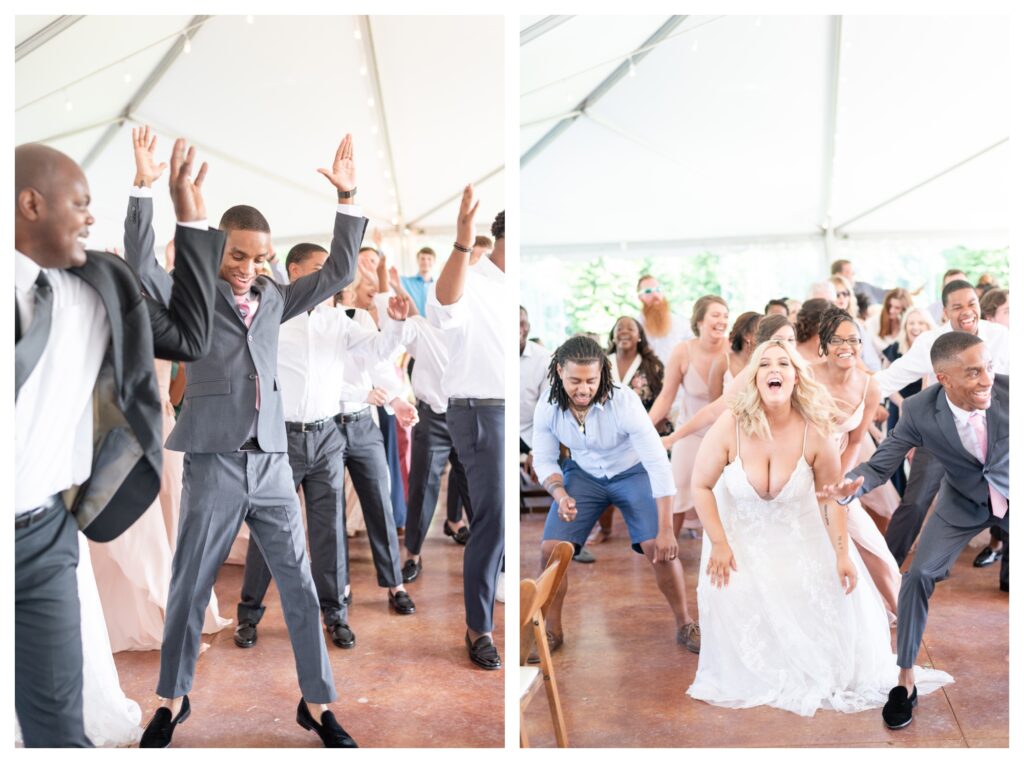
x,y
554,642
689,636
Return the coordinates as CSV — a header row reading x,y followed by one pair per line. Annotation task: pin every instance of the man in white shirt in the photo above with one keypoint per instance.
x,y
313,350
953,274
616,459
664,328
84,342
963,313
468,305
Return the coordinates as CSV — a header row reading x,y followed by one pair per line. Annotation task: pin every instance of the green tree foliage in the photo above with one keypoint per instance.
x,y
976,262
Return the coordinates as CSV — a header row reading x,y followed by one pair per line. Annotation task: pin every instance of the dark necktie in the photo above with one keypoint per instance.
x,y
29,347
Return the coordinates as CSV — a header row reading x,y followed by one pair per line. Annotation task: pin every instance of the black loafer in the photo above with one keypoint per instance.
x,y
460,536
245,635
329,730
483,652
987,556
411,570
401,603
899,710
341,635
160,729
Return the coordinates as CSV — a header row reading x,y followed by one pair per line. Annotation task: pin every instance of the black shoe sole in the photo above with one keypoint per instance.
x,y
484,665
248,645
898,726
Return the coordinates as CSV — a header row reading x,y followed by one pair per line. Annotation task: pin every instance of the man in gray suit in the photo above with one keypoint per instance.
x,y
236,469
964,423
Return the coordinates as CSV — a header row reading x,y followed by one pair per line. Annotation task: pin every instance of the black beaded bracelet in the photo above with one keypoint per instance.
x,y
342,195
460,248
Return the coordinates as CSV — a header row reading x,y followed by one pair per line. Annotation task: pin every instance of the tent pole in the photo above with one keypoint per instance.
x,y
542,27
454,196
831,127
44,35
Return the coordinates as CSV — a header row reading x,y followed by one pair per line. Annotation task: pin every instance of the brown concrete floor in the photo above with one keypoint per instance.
x,y
622,678
407,683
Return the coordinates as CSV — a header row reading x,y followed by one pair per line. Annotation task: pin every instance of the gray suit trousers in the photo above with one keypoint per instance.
x,y
219,491
937,550
315,459
922,486
478,433
48,632
431,449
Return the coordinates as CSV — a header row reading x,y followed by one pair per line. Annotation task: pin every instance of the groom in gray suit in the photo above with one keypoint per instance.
x,y
236,468
964,422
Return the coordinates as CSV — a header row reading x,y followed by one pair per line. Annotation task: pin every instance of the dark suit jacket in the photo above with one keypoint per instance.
x,y
127,453
926,421
220,394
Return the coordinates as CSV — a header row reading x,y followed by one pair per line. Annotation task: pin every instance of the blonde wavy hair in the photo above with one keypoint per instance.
x,y
811,399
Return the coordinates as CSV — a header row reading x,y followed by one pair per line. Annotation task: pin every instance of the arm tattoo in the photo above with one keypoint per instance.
x,y
552,483
825,509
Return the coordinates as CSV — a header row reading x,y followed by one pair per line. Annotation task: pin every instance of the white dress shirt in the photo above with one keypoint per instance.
x,y
361,374
426,344
917,362
53,413
474,332
619,434
533,382
963,428
312,353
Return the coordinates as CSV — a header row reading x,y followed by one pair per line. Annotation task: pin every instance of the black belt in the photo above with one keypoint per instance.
x,y
476,402
347,418
311,426
28,518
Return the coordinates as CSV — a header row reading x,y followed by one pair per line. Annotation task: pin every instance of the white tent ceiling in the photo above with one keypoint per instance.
x,y
749,127
266,100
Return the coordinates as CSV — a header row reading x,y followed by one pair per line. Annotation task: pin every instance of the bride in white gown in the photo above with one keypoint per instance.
x,y
111,719
784,620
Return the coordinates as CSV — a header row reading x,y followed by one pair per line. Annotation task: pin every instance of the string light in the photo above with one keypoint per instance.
x,y
249,19
357,34
127,78
187,48
694,46
387,174
363,70
370,102
380,153
394,221
373,129
392,191
68,106
632,67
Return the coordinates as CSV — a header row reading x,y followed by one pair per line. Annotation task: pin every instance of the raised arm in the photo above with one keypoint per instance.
x,y
138,222
823,455
182,328
452,281
678,360
916,364
706,416
349,225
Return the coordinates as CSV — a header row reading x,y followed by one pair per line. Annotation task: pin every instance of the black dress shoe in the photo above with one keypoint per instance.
x,y
342,635
483,652
987,556
401,603
245,635
347,599
460,536
411,570
160,729
899,710
329,730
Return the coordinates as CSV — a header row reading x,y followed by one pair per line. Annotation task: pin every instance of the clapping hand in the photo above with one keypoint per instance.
x,y
719,564
843,489
343,172
465,229
398,307
186,194
147,171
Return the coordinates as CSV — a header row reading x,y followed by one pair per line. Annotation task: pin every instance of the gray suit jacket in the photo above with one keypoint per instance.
x,y
220,395
927,422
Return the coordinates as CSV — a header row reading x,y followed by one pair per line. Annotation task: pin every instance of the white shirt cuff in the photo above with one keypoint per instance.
x,y
351,209
196,224
141,193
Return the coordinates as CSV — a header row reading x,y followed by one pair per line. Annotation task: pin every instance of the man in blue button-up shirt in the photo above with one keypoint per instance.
x,y
616,458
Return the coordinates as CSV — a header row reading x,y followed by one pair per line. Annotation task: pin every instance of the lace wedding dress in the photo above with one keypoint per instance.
x,y
782,632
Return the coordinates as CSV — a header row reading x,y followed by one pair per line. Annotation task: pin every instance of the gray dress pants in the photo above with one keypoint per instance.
x,y
48,632
922,486
939,547
478,433
316,461
219,492
431,449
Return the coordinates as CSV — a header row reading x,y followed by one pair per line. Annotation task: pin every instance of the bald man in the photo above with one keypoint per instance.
x,y
88,423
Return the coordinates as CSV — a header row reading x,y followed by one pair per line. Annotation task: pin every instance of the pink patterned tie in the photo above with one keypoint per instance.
x,y
247,309
978,424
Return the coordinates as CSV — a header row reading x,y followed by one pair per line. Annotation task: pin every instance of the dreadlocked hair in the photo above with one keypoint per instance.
x,y
583,350
828,324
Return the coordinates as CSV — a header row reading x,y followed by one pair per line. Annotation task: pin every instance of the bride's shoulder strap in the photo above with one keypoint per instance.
x,y
803,450
737,438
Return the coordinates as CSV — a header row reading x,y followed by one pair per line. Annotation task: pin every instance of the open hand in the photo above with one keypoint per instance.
x,y
343,172
465,228
398,307
847,573
720,563
843,489
186,194
147,171
567,508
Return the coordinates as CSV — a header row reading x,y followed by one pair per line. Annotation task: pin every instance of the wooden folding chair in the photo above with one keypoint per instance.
x,y
534,600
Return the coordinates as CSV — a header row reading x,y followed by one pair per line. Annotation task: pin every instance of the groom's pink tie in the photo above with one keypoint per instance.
x,y
978,424
247,309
